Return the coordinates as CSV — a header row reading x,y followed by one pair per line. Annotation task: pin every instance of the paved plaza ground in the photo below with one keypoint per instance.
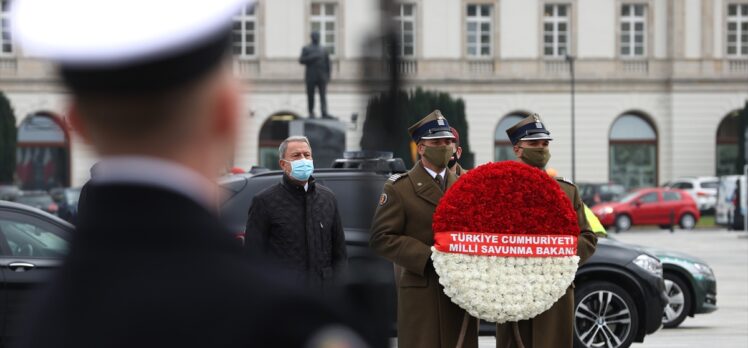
x,y
727,253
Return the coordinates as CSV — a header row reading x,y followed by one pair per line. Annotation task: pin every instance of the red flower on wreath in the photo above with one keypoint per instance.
x,y
506,197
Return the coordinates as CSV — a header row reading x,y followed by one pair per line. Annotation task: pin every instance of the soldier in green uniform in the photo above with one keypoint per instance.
x,y
401,232
554,327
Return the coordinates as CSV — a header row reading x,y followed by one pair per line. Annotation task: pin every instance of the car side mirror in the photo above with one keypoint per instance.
x,y
637,203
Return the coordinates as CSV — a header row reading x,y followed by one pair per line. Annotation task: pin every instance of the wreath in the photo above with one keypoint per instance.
x,y
505,242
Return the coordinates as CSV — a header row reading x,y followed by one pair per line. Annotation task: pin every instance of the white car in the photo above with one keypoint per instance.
x,y
703,190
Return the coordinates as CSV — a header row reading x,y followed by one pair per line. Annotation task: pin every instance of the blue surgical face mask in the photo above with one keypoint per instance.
x,y
301,169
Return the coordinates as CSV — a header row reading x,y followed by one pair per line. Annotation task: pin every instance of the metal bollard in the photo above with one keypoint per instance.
x,y
672,221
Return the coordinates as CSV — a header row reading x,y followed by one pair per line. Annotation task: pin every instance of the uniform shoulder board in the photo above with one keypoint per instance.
x,y
396,177
562,179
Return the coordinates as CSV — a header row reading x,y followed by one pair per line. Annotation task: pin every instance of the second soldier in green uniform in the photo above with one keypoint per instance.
x,y
554,327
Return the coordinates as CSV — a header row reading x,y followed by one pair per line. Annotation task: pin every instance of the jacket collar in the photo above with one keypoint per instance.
x,y
294,188
425,185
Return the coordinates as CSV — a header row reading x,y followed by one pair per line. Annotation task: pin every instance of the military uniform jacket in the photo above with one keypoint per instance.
x,y
401,232
554,327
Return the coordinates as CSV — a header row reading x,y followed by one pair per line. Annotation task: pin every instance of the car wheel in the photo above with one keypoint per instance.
x,y
604,316
680,298
623,223
687,221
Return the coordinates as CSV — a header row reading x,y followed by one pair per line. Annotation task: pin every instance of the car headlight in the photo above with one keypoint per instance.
x,y
605,211
649,263
704,270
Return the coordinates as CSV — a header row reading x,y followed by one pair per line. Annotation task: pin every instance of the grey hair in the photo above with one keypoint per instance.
x,y
284,145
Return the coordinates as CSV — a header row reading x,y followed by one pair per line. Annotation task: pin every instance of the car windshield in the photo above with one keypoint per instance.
x,y
710,184
629,197
612,189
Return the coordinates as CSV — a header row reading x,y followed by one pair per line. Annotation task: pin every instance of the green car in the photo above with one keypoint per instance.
x,y
690,284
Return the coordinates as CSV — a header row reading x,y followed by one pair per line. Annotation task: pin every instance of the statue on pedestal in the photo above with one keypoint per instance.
x,y
317,62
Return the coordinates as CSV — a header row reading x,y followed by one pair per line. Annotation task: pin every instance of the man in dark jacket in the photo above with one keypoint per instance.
x,y
296,222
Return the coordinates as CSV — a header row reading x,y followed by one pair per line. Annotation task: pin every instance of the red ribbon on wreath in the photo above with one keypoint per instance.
x,y
491,206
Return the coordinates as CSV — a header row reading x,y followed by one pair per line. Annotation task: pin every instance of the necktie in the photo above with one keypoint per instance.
x,y
440,181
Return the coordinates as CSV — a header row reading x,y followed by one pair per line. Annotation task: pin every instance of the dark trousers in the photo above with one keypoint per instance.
x,y
322,86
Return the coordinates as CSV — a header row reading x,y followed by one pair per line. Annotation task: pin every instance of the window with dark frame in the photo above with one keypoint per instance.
x,y
244,33
633,30
632,152
727,145
323,20
479,30
556,30
6,39
406,21
737,30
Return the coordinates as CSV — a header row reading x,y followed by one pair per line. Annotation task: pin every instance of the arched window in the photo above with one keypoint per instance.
x,y
502,145
727,144
43,153
273,132
633,152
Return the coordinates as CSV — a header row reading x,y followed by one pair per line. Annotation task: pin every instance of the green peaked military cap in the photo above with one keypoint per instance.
x,y
529,128
433,126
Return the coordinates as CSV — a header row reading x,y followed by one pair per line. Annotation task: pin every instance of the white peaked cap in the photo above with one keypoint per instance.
x,y
109,33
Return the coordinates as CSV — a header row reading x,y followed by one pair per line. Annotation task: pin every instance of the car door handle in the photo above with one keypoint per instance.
x,y
21,266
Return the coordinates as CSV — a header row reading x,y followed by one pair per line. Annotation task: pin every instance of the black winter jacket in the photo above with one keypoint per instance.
x,y
299,229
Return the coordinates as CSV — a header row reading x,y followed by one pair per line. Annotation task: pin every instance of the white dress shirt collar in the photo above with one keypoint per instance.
x,y
433,173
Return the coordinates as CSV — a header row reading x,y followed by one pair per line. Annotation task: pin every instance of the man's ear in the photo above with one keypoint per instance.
x,y
226,122
459,152
419,148
73,118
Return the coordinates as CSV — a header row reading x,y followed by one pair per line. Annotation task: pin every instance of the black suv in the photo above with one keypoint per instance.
x,y
620,294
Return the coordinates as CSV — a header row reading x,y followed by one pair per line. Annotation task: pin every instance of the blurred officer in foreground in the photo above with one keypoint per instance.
x,y
554,327
401,232
150,264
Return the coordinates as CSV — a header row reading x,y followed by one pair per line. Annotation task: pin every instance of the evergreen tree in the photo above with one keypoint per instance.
x,y
8,139
385,130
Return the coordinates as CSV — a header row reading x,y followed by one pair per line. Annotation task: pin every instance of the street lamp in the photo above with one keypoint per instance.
x,y
570,59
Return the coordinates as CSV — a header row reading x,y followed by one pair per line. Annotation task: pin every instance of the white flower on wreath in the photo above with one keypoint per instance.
x,y
501,289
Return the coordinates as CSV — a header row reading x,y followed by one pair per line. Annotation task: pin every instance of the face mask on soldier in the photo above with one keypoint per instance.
x,y
438,155
535,156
